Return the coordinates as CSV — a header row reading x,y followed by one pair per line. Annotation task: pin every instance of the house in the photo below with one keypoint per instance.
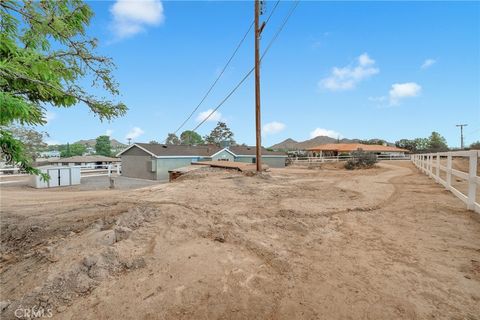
x,y
50,154
153,161
335,149
84,161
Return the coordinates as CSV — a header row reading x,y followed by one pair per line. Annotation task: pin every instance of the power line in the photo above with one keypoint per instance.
x,y
292,9
223,71
216,80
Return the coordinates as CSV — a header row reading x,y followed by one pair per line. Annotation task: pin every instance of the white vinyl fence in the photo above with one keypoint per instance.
x,y
430,164
313,160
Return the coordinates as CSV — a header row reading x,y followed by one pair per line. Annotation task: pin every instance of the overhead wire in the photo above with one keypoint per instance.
x,y
287,17
223,71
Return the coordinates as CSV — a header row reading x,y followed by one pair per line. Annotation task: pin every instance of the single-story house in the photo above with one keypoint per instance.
x,y
335,149
85,161
153,161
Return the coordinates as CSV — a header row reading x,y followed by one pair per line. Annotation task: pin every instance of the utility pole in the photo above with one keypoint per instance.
x,y
129,141
258,31
461,133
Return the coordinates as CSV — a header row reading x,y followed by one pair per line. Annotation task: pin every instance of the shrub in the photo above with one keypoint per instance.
x,y
361,160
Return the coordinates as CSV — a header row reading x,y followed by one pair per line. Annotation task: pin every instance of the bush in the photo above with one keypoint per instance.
x,y
361,160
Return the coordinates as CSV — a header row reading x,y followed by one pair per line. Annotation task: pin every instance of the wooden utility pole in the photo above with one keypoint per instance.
x,y
257,87
461,133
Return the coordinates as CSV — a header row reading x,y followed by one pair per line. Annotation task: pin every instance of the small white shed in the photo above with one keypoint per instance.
x,y
59,177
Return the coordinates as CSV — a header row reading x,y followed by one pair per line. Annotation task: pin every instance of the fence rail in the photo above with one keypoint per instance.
x,y
86,171
430,164
313,160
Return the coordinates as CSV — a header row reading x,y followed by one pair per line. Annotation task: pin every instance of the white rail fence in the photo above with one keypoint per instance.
x,y
430,164
313,160
86,171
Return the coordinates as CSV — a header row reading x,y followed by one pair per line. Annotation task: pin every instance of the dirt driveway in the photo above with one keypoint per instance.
x,y
384,243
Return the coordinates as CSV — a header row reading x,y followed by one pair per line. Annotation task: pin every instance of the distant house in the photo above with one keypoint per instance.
x,y
335,149
153,161
50,154
84,161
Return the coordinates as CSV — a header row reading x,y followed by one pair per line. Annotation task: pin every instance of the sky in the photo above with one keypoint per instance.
x,y
365,70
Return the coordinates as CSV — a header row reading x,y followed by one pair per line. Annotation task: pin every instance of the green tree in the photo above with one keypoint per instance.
x,y
437,142
44,55
221,133
172,139
75,149
475,145
191,138
103,146
31,139
154,142
421,144
374,142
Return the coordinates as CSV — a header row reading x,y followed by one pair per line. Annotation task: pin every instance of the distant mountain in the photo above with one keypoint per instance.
x,y
92,142
290,144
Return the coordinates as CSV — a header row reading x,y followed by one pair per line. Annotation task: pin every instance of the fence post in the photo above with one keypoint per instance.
x,y
437,168
118,169
109,170
472,183
449,171
429,163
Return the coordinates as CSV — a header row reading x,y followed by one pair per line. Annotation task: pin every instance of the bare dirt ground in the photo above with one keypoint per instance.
x,y
383,243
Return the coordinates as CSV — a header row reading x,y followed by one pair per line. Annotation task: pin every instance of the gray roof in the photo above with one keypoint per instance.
x,y
179,150
169,150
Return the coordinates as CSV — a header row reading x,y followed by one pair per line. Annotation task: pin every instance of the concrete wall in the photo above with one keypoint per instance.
x,y
165,164
224,155
137,163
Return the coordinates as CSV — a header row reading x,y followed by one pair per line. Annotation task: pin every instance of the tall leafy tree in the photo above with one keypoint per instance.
x,y
172,139
44,55
436,142
191,138
103,146
220,134
32,140
75,149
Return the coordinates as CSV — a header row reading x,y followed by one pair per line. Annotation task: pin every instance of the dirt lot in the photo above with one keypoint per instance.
x,y
383,243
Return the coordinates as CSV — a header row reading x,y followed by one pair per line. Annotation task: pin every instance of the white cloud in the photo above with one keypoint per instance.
x,y
324,132
428,63
403,90
348,77
109,132
273,127
134,133
49,116
216,116
132,16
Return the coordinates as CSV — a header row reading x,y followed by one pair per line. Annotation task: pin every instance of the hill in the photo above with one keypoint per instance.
x,y
290,144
